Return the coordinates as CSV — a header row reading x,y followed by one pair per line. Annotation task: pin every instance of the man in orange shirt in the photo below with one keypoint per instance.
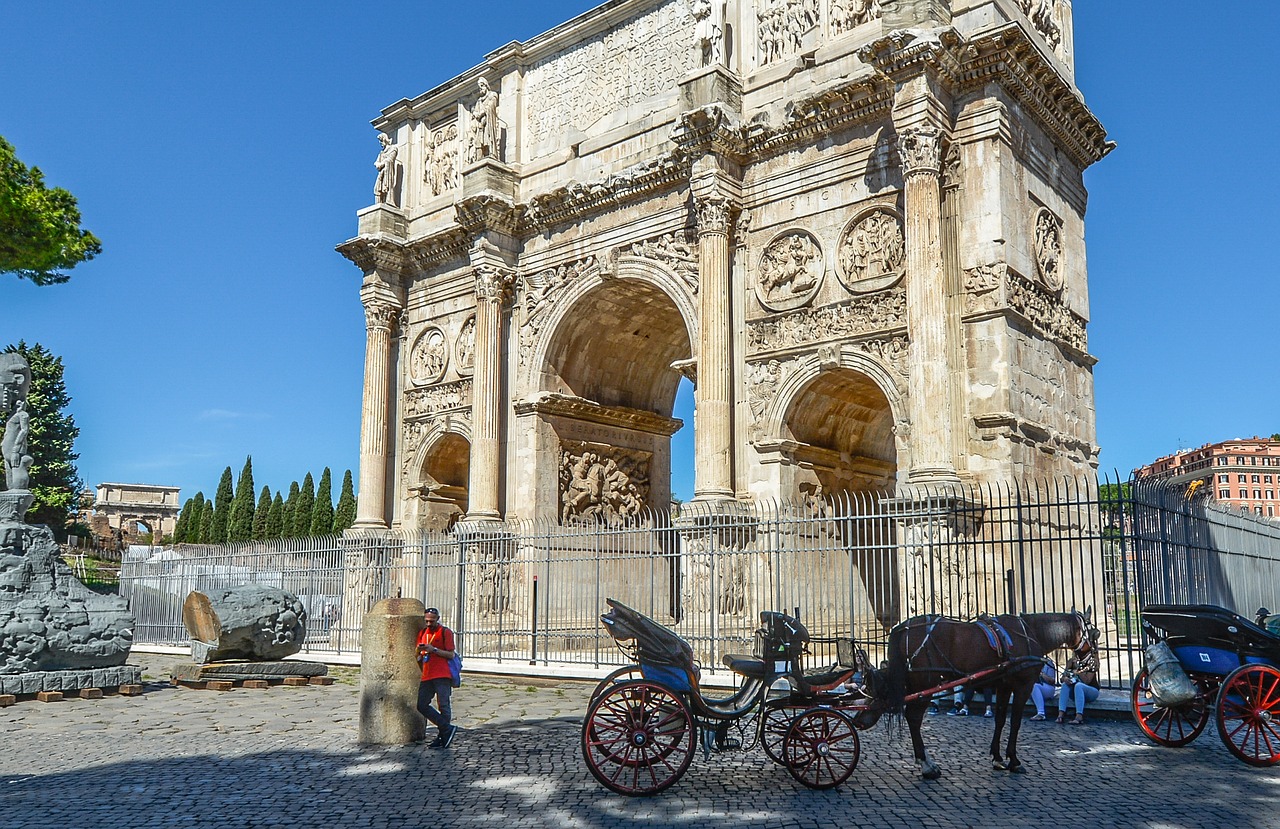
x,y
435,649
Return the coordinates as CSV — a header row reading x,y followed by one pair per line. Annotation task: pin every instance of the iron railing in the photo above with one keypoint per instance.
x,y
530,593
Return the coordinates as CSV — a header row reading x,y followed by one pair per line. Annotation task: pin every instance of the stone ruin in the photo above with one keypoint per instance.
x,y
55,633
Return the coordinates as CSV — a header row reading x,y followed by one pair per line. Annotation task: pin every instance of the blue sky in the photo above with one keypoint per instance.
x,y
220,151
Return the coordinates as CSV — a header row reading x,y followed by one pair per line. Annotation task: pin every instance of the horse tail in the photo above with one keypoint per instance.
x,y
895,673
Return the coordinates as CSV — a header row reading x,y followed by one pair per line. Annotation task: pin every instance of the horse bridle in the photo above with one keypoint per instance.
x,y
1088,634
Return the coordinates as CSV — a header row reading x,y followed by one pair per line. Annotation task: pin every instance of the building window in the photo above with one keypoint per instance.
x,y
1266,479
1254,460
1224,494
1271,511
1257,495
1242,479
1239,460
1258,510
1222,460
1224,479
1244,493
1271,494
1257,479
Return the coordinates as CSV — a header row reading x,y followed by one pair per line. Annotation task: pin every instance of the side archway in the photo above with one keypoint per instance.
x,y
440,477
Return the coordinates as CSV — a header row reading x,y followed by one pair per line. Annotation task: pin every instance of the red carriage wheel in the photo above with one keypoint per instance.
x,y
1249,714
773,729
1171,726
638,737
821,748
613,678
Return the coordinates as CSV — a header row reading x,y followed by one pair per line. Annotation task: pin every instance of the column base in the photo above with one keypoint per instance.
x,y
939,476
369,524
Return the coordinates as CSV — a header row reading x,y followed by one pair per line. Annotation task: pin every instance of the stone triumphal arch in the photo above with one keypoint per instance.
x,y
858,227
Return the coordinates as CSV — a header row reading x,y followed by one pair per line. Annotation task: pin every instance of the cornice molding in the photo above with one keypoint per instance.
x,y
578,408
372,254
711,129
485,212
575,199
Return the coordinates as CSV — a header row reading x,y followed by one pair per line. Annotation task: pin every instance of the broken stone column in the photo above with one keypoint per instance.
x,y
389,674
250,621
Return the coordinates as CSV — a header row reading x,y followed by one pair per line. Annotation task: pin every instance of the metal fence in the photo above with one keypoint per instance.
x,y
530,593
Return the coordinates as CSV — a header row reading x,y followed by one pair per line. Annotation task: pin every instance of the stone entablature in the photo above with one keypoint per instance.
x,y
872,206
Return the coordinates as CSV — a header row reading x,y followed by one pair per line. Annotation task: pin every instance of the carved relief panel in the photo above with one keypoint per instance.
x,y
782,27
440,156
1047,248
846,14
429,357
465,348
1046,17
602,484
790,271
872,251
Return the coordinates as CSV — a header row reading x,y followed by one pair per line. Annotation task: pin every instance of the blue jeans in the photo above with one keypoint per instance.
x,y
1040,692
441,690
1082,693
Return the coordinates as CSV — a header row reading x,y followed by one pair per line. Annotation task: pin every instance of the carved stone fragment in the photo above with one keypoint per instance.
x,y
602,484
251,621
781,26
846,14
441,168
465,347
790,271
1048,248
872,252
872,313
429,357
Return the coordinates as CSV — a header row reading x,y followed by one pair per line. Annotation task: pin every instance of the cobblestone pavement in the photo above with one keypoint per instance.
x,y
286,757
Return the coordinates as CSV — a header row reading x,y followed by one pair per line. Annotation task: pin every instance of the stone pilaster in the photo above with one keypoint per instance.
x,y
380,318
713,395
932,457
492,285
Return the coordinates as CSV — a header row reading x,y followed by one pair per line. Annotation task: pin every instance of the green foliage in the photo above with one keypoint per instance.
x,y
261,513
184,519
55,483
240,524
222,509
290,510
275,519
302,509
195,521
39,228
206,523
1276,436
322,512
345,514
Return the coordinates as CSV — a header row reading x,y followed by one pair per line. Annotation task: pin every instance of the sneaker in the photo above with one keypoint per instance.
x,y
1038,718
449,735
989,713
438,742
961,712
933,710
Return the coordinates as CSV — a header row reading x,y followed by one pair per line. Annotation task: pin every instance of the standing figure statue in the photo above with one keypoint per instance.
x,y
709,31
483,141
384,189
17,463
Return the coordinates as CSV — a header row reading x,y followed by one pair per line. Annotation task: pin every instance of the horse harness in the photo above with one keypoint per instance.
x,y
998,638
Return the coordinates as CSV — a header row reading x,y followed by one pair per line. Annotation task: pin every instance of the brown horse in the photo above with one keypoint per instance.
x,y
928,652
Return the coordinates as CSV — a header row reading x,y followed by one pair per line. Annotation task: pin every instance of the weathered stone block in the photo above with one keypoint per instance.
x,y
131,690
251,621
257,684
389,674
296,681
321,680
236,671
49,696
90,693
219,685
7,699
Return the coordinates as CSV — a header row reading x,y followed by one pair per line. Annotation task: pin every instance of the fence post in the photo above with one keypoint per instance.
x,y
533,637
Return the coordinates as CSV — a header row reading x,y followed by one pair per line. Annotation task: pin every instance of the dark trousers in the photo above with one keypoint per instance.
x,y
440,690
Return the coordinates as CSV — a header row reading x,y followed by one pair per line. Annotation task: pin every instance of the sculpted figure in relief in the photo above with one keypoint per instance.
x,y
1043,14
781,27
789,269
597,488
441,170
1048,249
384,188
874,247
709,31
483,141
429,358
466,347
846,14
17,463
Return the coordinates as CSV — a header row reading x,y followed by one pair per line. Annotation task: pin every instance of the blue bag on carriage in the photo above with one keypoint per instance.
x,y
677,679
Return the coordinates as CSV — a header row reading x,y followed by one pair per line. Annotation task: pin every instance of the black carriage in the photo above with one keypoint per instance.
x,y
1232,664
646,720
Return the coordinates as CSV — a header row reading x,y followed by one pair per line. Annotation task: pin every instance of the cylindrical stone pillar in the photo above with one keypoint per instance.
x,y
932,460
389,674
713,393
371,507
486,398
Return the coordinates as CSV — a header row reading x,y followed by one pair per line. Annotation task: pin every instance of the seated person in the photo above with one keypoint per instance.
x,y
964,696
1046,687
1079,683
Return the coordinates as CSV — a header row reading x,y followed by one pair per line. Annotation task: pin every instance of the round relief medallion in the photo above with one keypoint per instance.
x,y
872,252
429,357
1048,249
790,271
464,349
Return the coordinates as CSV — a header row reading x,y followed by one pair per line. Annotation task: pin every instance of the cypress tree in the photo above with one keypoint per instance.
x,y
222,510
206,523
261,514
184,518
240,524
195,524
345,514
275,519
290,509
302,509
322,512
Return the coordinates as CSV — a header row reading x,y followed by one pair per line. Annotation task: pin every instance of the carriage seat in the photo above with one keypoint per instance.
x,y
748,666
824,679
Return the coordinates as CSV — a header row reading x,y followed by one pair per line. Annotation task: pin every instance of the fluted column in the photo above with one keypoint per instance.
x,y
713,394
486,399
380,317
932,460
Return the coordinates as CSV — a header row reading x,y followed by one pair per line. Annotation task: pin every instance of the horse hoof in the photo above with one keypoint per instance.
x,y
931,772
1017,768
998,765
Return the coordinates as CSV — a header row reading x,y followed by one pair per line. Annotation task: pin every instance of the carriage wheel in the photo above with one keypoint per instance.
x,y
1249,714
638,737
1169,726
773,729
613,678
821,748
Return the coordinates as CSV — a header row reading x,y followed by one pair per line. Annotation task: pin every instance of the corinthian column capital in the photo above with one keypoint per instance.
x,y
380,316
713,215
921,150
493,284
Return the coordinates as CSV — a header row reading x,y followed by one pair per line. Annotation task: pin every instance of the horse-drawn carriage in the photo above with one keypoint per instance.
x,y
645,720
1234,670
